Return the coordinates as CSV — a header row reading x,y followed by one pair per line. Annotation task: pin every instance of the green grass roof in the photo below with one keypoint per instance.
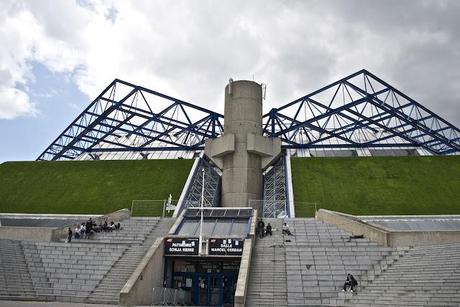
x,y
88,186
378,185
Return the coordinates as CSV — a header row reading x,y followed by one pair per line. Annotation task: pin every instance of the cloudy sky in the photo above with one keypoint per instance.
x,y
56,56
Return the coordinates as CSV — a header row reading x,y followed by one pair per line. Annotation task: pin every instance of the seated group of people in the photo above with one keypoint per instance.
x,y
85,230
262,230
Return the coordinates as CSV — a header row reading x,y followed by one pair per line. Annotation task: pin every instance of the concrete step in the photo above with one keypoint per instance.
x,y
416,281
310,266
108,289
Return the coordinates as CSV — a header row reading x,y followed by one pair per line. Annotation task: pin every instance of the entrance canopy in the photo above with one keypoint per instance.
x,y
217,222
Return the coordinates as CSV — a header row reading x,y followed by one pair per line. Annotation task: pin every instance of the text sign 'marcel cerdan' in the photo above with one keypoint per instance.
x,y
226,247
181,246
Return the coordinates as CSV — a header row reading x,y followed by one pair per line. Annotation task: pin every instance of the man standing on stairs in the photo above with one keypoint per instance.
x,y
69,235
261,227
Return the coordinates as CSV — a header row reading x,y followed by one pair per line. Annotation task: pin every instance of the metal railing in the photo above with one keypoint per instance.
x,y
279,208
170,297
148,207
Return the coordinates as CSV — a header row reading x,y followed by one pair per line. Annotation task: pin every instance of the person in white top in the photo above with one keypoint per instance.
x,y
285,230
77,232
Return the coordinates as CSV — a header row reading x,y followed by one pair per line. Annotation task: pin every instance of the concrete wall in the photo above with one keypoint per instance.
x,y
245,265
387,237
26,233
148,275
243,274
417,238
51,233
289,185
252,226
352,224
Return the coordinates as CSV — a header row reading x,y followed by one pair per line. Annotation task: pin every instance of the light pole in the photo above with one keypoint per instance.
x,y
200,246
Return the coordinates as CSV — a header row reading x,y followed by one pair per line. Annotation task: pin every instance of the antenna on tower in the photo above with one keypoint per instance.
x,y
264,90
230,81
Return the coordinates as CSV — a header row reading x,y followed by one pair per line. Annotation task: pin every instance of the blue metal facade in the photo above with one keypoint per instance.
x,y
361,111
358,111
150,120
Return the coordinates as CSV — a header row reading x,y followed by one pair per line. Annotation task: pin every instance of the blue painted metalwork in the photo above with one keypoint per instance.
x,y
130,118
358,111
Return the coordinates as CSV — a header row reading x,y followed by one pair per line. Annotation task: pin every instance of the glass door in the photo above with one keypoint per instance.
x,y
215,289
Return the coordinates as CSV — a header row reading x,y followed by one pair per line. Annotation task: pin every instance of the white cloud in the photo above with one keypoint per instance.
x,y
14,103
24,40
190,49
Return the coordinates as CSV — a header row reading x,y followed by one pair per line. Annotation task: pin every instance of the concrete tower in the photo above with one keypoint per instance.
x,y
242,152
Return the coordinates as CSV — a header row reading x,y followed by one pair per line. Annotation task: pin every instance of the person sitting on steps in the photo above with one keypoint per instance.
x,y
83,231
77,234
268,230
350,283
286,230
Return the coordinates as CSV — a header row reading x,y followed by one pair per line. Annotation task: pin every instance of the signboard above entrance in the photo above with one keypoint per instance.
x,y
181,246
225,247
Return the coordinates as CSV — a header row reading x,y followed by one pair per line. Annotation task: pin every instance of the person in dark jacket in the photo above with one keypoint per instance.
x,y
69,235
89,227
350,283
261,226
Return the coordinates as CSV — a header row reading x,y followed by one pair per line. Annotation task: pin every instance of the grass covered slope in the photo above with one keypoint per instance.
x,y
378,185
88,186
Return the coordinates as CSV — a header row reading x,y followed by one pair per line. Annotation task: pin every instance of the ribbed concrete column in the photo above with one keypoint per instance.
x,y
242,152
242,172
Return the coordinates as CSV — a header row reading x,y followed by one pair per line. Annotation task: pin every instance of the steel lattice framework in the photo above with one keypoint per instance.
x,y
361,111
274,200
358,111
131,118
211,189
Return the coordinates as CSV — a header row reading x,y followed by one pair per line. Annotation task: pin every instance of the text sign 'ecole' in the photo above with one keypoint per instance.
x,y
225,247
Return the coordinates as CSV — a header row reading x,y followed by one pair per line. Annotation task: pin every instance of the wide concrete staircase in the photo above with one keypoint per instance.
x,y
423,276
267,279
84,271
310,267
107,291
69,272
15,280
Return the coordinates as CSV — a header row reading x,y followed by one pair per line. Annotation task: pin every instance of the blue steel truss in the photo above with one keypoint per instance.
x,y
360,111
130,118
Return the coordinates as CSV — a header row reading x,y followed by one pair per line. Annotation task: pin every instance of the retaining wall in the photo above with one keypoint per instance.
x,y
387,237
148,275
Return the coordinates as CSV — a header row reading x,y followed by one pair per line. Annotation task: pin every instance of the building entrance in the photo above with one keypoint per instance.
x,y
210,282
